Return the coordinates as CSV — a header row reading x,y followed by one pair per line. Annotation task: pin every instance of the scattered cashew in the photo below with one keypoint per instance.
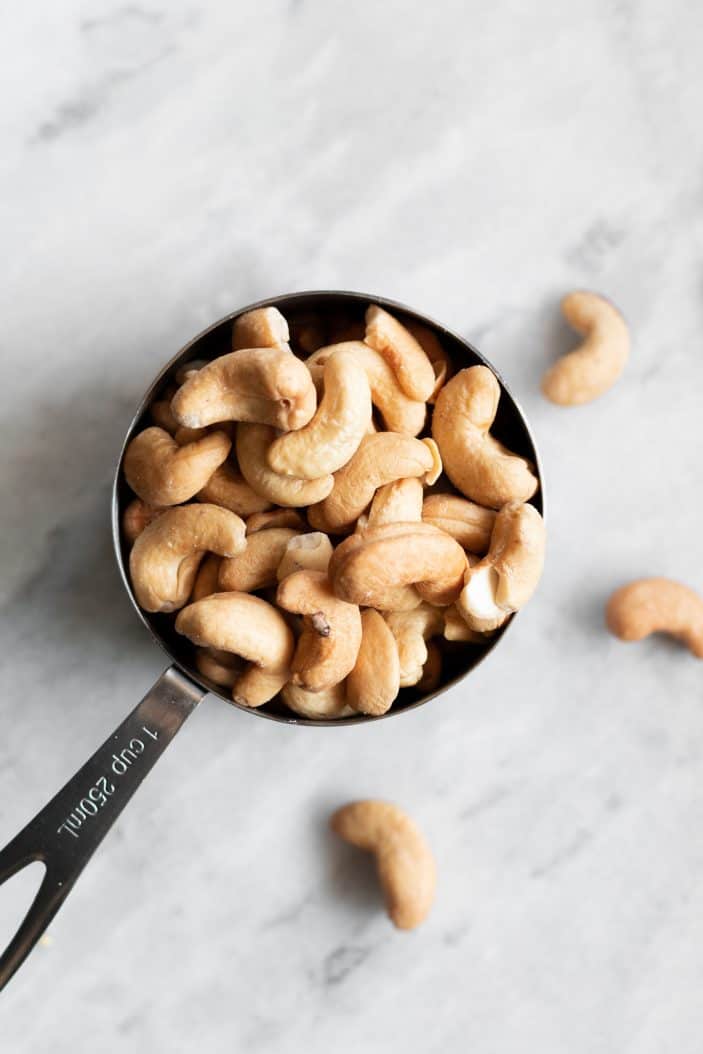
x,y
411,629
374,681
226,487
206,579
367,567
253,442
264,385
165,557
340,422
161,472
406,867
219,667
380,459
397,502
476,463
136,516
264,327
261,521
306,552
657,605
256,567
441,363
401,351
469,524
329,644
505,579
594,367
328,704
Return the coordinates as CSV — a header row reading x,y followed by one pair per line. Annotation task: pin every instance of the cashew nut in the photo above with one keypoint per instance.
x,y
306,552
397,502
219,667
505,579
329,703
374,681
339,424
380,459
162,414
406,867
367,567
256,567
476,463
329,644
264,327
255,686
226,487
441,363
263,385
206,579
432,670
401,351
161,472
411,629
657,605
399,412
261,521
253,442
594,367
136,517
165,557
456,629
469,524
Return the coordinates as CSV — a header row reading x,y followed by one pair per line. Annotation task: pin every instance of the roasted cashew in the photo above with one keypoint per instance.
x,y
397,502
328,441
165,557
367,568
206,579
329,703
329,644
261,521
594,367
406,867
306,552
219,667
226,487
401,351
432,670
374,681
136,516
264,385
441,363
657,605
505,579
399,412
264,327
161,472
411,629
380,459
469,524
256,567
476,463
253,442
255,686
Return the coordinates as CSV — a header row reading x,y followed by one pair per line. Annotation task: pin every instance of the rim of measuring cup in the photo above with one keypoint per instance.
x,y
190,351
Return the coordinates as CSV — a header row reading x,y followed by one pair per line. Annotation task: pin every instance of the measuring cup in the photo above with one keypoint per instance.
x,y
67,831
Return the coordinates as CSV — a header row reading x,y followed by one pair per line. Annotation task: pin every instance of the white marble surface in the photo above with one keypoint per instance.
x,y
163,164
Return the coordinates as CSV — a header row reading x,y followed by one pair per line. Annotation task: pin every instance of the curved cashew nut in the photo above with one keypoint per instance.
x,y
306,552
397,502
401,351
657,605
469,524
206,579
476,463
256,567
136,516
374,682
161,472
255,686
329,703
226,487
406,867
380,459
264,327
261,521
441,363
411,629
166,555
432,670
505,579
329,644
367,567
253,442
243,625
264,385
594,367
399,412
219,667
340,422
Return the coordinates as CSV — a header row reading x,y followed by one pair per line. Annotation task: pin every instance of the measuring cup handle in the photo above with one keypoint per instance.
x,y
67,831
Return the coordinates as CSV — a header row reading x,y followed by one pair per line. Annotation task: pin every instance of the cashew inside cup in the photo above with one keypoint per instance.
x,y
161,472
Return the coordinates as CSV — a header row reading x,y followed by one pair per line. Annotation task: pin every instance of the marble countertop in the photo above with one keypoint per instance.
x,y
164,164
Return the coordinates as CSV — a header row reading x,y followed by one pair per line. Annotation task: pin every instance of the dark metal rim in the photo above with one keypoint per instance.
x,y
280,301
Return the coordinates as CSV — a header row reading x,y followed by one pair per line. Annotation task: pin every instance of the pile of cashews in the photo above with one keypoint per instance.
x,y
324,528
